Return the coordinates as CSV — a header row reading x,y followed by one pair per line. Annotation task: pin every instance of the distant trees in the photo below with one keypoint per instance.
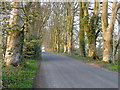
x,y
92,25
36,18
62,27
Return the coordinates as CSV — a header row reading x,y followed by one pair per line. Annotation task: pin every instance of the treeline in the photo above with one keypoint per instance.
x,y
89,29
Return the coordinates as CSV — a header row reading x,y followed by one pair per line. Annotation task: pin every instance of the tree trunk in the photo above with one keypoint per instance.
x,y
107,30
69,32
15,36
90,35
70,21
90,27
119,33
81,31
65,48
117,46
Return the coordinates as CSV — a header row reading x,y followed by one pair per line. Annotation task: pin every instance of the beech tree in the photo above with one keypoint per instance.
x,y
69,19
81,31
107,29
90,26
15,35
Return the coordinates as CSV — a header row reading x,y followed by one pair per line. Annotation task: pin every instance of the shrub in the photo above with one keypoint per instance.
x,y
32,49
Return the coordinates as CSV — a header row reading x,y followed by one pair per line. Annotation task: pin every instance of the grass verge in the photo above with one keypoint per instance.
x,y
21,76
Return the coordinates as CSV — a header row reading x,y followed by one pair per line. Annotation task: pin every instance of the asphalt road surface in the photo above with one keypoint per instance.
x,y
59,71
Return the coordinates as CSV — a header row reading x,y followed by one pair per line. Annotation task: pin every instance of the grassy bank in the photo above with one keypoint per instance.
x,y
21,76
99,63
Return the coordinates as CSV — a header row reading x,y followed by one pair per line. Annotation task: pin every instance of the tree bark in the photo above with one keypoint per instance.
x,y
119,33
70,21
107,30
117,46
69,31
15,35
90,27
81,31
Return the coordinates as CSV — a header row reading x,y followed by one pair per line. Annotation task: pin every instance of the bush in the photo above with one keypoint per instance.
x,y
32,49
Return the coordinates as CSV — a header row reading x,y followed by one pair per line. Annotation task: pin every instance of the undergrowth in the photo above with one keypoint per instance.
x,y
21,76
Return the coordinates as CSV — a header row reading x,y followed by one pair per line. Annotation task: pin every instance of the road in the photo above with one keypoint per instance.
x,y
59,71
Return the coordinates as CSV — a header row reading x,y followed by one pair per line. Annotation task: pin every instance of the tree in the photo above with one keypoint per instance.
x,y
81,31
15,36
107,30
70,21
90,25
117,45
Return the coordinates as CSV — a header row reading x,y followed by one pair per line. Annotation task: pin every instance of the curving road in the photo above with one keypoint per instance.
x,y
59,71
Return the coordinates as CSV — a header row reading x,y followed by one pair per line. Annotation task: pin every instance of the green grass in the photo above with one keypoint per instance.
x,y
21,76
114,68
